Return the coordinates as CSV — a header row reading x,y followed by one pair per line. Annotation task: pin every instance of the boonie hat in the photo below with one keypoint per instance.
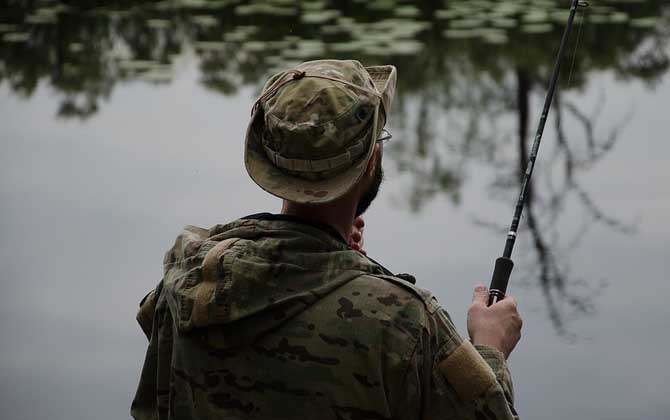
x,y
313,128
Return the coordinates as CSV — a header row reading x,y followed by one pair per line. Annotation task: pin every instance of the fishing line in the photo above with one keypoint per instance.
x,y
504,264
574,53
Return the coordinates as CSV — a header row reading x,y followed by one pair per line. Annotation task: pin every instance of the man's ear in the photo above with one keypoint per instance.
x,y
372,163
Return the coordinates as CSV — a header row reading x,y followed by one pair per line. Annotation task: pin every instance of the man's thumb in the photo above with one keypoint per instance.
x,y
480,295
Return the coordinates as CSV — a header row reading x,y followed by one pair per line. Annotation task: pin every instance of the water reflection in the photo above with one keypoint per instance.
x,y
469,72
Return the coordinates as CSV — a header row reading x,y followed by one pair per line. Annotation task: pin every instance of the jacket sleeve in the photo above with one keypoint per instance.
x,y
145,314
462,381
152,397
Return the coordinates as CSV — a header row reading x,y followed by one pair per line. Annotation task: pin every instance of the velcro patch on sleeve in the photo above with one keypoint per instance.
x,y
467,372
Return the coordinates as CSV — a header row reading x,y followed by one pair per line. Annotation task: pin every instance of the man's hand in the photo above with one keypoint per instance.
x,y
356,235
498,325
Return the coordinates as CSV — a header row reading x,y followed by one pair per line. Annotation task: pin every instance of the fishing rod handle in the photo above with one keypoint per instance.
x,y
501,273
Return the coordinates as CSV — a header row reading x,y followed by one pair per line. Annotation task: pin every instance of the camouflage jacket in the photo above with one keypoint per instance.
x,y
280,319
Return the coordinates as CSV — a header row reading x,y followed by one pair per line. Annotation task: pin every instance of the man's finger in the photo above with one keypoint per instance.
x,y
359,222
510,301
480,295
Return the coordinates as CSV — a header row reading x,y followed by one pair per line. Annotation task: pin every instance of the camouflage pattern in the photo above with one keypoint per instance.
x,y
313,129
277,319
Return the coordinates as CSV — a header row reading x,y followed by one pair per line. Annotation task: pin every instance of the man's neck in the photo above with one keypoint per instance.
x,y
340,215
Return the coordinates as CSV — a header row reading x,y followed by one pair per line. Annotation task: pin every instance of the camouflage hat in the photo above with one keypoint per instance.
x,y
313,128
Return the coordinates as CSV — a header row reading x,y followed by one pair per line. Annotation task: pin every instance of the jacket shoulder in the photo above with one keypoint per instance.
x,y
426,297
392,297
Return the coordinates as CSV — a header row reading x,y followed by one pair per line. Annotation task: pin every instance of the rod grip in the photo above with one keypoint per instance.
x,y
501,273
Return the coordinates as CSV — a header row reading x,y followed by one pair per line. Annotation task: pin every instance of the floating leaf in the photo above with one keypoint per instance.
x,y
205,20
210,45
407,11
264,9
466,23
254,46
536,16
447,14
332,29
158,23
16,37
461,33
319,17
8,27
504,22
646,22
42,19
405,47
618,17
314,5
76,47
598,19
493,36
381,5
537,28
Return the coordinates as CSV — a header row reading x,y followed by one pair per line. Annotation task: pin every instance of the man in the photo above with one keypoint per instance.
x,y
283,317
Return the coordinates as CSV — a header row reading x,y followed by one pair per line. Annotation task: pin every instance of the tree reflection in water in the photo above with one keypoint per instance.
x,y
473,66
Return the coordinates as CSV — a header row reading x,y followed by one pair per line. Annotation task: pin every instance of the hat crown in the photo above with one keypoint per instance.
x,y
312,130
315,118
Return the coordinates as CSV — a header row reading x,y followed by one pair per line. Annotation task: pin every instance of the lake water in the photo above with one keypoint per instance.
x,y
120,124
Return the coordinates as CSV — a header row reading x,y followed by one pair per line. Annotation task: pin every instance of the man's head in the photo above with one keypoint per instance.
x,y
313,133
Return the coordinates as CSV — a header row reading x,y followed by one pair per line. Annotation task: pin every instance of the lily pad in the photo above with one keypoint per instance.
x,y
76,47
466,23
8,27
493,36
645,22
461,33
205,20
332,30
504,22
407,11
255,46
618,17
447,14
536,16
314,5
405,47
264,9
210,45
537,28
16,37
381,5
42,19
319,17
158,23
598,19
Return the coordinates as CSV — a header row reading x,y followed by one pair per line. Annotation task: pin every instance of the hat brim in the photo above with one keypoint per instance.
x,y
300,190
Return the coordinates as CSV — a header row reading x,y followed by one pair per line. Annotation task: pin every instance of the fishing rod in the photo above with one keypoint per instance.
x,y
504,264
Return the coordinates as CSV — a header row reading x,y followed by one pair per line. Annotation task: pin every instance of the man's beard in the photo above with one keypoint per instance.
x,y
371,193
